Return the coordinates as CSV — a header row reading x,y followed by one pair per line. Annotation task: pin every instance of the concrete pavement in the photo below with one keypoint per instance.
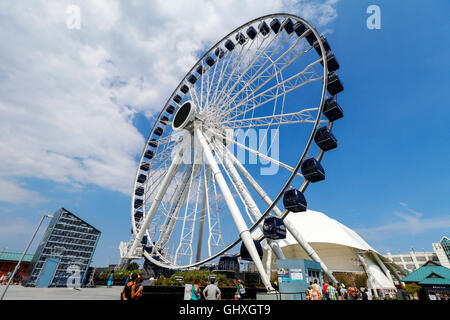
x,y
17,292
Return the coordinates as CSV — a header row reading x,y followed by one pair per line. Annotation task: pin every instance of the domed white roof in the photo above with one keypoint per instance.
x,y
315,226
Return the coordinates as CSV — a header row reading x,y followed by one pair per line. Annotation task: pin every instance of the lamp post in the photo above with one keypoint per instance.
x,y
23,255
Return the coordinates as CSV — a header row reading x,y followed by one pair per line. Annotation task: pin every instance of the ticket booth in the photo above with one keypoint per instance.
x,y
294,277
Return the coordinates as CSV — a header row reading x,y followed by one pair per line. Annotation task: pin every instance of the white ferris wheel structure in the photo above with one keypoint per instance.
x,y
195,196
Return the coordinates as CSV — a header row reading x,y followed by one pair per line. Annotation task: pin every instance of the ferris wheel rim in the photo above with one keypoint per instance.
x,y
292,176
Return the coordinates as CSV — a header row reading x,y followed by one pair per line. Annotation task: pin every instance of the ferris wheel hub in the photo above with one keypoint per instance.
x,y
184,117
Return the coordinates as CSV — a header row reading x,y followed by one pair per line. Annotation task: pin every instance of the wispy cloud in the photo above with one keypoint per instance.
x,y
12,192
408,222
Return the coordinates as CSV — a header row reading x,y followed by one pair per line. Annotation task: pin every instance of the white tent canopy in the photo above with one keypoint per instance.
x,y
337,245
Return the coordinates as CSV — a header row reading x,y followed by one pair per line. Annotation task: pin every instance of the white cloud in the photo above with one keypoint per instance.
x,y
408,222
68,97
11,192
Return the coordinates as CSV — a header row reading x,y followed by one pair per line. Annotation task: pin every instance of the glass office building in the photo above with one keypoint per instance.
x,y
65,252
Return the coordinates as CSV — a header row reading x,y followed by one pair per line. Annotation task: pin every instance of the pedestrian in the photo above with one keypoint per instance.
x,y
352,294
240,291
331,292
308,293
110,280
2,278
212,292
316,285
315,294
324,291
196,291
95,279
130,291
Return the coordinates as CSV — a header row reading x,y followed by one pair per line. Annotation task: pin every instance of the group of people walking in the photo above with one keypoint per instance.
x,y
340,292
212,291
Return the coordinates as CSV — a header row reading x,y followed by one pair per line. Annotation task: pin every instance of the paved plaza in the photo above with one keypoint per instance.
x,y
16,292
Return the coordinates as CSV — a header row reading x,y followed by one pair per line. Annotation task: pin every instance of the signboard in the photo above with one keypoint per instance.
x,y
296,274
283,275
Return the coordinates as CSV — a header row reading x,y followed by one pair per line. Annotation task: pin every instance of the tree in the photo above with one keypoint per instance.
x,y
133,266
412,288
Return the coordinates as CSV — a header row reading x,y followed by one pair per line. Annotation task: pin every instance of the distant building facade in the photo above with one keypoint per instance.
x,y
9,260
414,260
65,252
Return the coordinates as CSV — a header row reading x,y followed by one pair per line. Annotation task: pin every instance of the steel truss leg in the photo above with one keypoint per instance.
x,y
202,215
234,209
289,226
251,204
158,198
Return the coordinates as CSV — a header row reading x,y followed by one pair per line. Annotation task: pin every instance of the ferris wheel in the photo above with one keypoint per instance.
x,y
247,126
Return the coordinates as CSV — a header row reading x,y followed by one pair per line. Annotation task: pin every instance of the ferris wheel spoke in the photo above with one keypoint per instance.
x,y
235,66
158,198
303,116
265,74
250,203
296,81
177,201
238,59
257,153
185,244
258,54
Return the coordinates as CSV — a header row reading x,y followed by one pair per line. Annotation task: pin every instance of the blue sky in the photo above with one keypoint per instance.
x,y
388,180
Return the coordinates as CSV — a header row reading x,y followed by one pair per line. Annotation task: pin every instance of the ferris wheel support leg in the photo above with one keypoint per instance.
x,y
289,226
251,204
234,210
202,215
158,198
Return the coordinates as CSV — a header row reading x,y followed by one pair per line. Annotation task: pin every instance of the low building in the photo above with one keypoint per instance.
x,y
415,259
434,280
64,253
9,260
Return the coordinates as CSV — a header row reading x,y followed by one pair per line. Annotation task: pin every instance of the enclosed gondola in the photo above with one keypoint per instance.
x,y
332,63
240,38
334,84
264,28
219,53
245,255
288,26
274,228
300,28
294,200
209,61
139,191
184,88
170,109
138,215
145,166
229,45
251,32
138,203
158,131
141,178
275,25
177,98
332,110
325,139
192,79
312,170
149,154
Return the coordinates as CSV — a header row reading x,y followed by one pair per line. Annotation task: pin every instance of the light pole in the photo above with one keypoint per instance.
x,y
23,255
